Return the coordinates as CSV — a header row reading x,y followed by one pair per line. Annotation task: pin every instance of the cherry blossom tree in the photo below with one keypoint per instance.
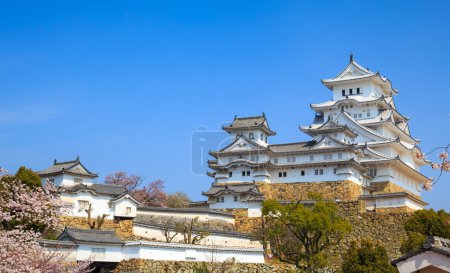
x,y
25,215
150,195
441,165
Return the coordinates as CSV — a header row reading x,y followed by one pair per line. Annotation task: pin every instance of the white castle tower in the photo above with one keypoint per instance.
x,y
357,136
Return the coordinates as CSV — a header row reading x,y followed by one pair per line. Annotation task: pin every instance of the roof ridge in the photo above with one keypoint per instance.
x,y
290,143
251,117
91,230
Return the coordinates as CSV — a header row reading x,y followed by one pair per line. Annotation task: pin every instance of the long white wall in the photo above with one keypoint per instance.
x,y
202,216
163,251
154,233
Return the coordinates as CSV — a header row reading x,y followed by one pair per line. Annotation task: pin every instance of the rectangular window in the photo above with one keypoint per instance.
x,y
52,181
291,159
355,115
217,199
340,155
230,159
255,158
243,173
302,173
335,171
343,93
328,157
316,172
235,199
284,174
360,115
280,174
98,252
222,199
248,173
288,159
261,137
311,158
275,160
321,171
373,172
368,113
78,180
358,91
83,204
128,211
265,139
230,174
350,91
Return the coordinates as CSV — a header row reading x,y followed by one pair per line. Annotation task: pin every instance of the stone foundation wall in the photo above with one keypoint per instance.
x,y
150,266
123,228
389,187
343,190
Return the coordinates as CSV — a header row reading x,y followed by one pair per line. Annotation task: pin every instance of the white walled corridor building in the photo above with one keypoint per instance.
x,y
358,136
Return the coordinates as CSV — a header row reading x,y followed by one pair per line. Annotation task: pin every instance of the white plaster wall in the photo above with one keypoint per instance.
x,y
120,208
100,204
154,233
66,180
113,253
424,260
190,215
192,254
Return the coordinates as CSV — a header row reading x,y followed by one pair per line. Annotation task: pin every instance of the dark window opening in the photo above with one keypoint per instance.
x,y
230,174
343,93
358,91
350,91
302,173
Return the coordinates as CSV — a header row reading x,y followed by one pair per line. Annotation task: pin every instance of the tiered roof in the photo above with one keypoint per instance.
x,y
242,188
74,167
97,189
355,72
249,123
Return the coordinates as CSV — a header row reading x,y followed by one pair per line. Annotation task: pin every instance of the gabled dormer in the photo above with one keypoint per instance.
x,y
254,128
67,173
355,80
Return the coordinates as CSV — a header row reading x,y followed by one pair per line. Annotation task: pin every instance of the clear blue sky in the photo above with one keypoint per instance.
x,y
126,85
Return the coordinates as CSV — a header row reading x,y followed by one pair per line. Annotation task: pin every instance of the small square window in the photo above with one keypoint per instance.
x,y
355,115
316,172
280,174
321,171
302,173
222,199
217,199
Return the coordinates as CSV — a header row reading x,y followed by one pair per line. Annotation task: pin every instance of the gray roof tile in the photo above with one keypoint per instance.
x,y
70,167
89,236
98,189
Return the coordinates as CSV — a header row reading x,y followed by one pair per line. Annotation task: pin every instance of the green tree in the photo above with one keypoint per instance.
x,y
367,258
28,177
300,233
424,223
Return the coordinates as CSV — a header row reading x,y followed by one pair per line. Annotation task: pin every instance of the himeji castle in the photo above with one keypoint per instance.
x,y
358,135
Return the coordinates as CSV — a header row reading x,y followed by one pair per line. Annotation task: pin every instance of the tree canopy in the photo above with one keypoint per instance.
x,y
366,258
424,223
300,233
178,200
